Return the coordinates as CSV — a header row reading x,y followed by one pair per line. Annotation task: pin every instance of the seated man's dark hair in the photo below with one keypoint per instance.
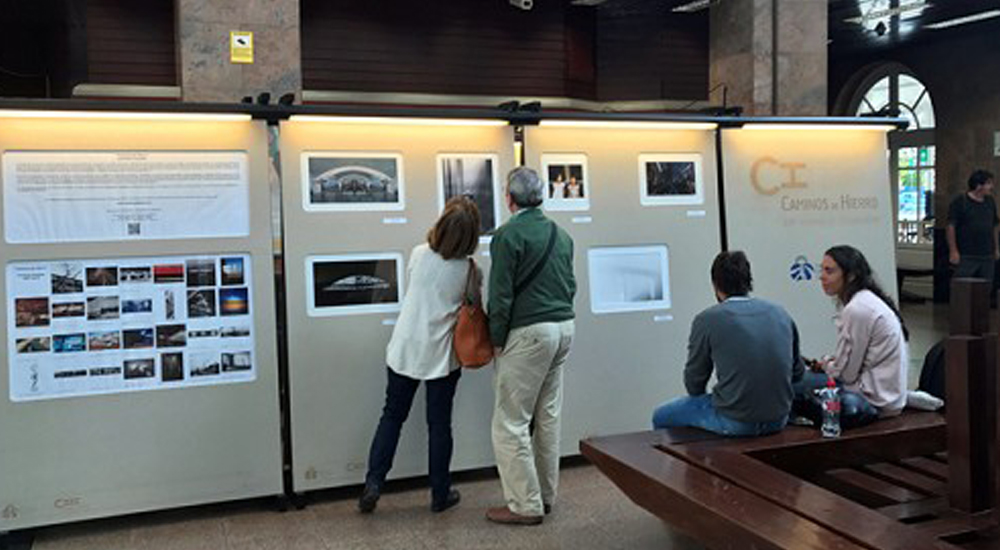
x,y
731,273
979,177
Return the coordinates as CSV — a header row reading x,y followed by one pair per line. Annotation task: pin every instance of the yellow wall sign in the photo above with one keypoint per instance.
x,y
241,47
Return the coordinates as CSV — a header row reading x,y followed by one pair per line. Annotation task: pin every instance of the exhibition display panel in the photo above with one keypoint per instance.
x,y
792,192
141,362
644,244
357,196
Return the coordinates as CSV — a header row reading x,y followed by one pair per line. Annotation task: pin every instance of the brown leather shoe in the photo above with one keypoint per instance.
x,y
503,515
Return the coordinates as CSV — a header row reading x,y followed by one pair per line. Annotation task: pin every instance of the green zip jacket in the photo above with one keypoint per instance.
x,y
516,248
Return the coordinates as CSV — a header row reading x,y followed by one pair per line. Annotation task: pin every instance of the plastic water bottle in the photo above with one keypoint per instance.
x,y
830,399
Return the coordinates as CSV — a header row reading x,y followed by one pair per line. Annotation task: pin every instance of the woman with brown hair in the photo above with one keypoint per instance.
x,y
421,350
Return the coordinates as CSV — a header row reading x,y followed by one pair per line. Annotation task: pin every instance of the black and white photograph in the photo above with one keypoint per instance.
x,y
169,305
137,305
339,285
67,277
629,278
474,176
137,338
201,303
171,336
104,340
201,272
567,186
139,368
102,308
68,309
668,179
352,181
171,367
234,332
102,276
232,271
235,362
135,275
203,333
204,364
34,344
105,371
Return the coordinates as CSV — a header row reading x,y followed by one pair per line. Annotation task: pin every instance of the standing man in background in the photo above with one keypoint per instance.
x,y
972,230
531,325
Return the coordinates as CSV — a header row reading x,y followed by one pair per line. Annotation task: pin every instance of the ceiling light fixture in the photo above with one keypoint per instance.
x,y
963,20
692,7
889,12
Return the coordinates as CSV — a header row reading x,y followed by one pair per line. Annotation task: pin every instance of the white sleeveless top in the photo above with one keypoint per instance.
x,y
421,343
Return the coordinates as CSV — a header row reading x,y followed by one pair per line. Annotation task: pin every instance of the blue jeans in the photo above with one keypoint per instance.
x,y
399,394
855,410
697,411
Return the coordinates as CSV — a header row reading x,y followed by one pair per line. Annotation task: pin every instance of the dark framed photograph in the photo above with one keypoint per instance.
x,y
171,336
135,275
102,276
67,343
171,367
201,272
236,361
102,308
232,271
204,364
670,179
67,277
137,305
31,312
201,303
350,284
104,340
69,309
35,344
473,175
234,301
139,368
168,273
339,181
138,338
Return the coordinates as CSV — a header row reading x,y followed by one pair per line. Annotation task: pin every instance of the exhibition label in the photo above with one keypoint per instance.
x,y
124,195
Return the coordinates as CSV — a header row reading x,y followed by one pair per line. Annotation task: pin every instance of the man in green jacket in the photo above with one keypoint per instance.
x,y
531,324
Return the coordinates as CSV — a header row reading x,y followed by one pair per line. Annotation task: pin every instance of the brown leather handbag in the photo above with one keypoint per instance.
x,y
472,344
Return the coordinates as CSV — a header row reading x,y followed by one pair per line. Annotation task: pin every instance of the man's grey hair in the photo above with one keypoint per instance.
x,y
525,187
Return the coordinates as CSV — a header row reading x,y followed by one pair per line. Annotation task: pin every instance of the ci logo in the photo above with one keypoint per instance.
x,y
801,269
768,184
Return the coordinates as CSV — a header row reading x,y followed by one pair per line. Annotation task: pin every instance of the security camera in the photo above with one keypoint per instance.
x,y
522,4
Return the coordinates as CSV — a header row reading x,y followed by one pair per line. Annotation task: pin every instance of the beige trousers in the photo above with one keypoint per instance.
x,y
528,386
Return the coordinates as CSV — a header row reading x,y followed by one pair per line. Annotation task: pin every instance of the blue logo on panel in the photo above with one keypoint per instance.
x,y
801,269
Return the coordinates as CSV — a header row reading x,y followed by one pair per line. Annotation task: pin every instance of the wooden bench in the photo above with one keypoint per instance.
x,y
790,490
917,481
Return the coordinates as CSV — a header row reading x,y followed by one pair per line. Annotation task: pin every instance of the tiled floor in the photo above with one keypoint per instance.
x,y
591,513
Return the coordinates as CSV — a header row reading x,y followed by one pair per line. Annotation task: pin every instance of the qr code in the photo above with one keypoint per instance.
x,y
134,229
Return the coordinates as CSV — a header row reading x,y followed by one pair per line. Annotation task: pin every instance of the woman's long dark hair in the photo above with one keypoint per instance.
x,y
858,276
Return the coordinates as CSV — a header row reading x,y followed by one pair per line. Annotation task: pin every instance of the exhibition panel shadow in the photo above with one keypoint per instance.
x,y
140,327
792,192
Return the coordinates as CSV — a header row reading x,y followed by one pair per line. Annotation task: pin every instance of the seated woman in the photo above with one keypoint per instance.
x,y
872,357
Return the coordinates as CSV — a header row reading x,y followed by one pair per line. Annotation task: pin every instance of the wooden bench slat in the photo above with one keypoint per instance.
x,y
911,510
875,485
908,478
700,504
927,466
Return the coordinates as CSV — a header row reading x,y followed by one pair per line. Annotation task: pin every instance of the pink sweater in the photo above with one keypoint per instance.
x,y
872,357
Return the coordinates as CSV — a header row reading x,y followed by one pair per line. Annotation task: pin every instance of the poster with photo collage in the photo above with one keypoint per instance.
x,y
87,327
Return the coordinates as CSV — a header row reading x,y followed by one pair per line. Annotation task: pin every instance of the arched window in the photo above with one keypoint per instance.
x,y
912,153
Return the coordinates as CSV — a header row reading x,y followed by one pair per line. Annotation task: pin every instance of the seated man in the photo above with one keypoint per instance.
x,y
753,346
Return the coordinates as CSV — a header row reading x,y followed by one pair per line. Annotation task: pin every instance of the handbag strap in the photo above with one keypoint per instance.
x,y
469,297
541,262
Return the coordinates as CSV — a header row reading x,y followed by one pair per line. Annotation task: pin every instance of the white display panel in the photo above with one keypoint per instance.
x,y
52,197
359,181
88,327
791,195
628,278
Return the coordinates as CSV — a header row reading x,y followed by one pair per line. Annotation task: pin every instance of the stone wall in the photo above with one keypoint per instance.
x,y
205,71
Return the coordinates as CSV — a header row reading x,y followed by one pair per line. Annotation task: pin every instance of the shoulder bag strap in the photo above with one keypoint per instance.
x,y
469,297
541,262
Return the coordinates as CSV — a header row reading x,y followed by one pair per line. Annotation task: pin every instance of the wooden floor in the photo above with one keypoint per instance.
x,y
880,487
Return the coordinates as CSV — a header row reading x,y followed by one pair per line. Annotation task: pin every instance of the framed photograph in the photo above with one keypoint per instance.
x,y
67,277
631,278
139,368
201,272
354,283
340,181
34,344
65,343
137,338
201,303
670,179
474,175
104,340
102,276
102,308
171,336
232,271
234,301
567,186
172,367
68,309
